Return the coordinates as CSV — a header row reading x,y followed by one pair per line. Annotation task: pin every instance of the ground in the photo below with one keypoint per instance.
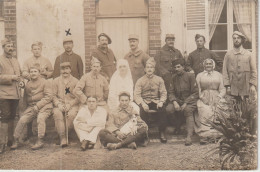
x,y
156,156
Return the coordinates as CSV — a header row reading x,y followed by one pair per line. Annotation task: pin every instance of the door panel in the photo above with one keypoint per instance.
x,y
119,29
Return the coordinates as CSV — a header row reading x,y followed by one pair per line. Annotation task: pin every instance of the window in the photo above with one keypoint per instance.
x,y
227,16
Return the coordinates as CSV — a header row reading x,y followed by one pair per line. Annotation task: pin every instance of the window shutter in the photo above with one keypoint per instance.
x,y
195,12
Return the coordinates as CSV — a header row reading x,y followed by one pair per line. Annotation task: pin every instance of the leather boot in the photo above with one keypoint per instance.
x,y
10,132
132,145
39,144
15,144
189,127
84,145
63,141
3,135
163,139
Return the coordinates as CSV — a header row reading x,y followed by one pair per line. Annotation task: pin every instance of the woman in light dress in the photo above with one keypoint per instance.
x,y
211,92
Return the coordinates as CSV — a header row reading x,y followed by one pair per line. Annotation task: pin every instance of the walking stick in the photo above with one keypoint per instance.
x,y
66,126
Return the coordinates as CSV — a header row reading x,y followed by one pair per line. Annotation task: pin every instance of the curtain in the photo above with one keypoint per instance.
x,y
243,15
215,9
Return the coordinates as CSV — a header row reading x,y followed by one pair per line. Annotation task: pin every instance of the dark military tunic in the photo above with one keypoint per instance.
x,y
107,59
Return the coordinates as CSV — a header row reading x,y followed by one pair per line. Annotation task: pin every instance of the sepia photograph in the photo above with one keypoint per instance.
x,y
129,84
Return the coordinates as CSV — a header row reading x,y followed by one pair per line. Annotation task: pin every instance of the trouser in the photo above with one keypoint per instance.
x,y
59,119
160,115
187,113
28,116
108,137
7,115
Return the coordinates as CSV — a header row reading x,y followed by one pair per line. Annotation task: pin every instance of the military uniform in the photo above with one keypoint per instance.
x,y
164,60
117,119
38,93
183,89
62,94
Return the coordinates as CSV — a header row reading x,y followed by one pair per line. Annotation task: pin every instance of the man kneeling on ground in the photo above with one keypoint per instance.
x,y
89,121
38,97
124,128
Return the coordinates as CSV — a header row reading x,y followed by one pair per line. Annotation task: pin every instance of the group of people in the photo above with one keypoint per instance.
x,y
115,101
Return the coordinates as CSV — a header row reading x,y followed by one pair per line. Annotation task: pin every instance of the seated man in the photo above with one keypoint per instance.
x,y
183,95
64,101
150,94
93,84
38,97
119,132
88,122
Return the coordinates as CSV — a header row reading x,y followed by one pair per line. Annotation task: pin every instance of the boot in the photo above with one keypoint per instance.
x,y
15,144
113,146
84,145
63,142
10,133
132,145
39,144
3,135
189,127
163,139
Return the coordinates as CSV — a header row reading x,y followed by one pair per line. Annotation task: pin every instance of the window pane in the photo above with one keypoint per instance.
x,y
220,59
247,44
219,39
223,16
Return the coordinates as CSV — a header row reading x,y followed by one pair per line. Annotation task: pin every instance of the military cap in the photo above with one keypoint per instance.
x,y
133,36
105,35
37,43
67,39
180,61
94,60
124,93
65,64
6,41
151,61
197,36
36,66
239,34
169,36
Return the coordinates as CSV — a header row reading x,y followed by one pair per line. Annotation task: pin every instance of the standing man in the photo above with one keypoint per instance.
x,y
105,55
113,136
136,58
64,101
164,59
9,92
37,98
240,72
93,84
195,59
45,64
183,95
88,122
69,56
150,94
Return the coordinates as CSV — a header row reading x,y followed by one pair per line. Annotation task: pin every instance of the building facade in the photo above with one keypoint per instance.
x,y
36,20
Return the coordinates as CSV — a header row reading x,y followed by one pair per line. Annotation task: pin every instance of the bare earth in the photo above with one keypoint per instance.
x,y
156,156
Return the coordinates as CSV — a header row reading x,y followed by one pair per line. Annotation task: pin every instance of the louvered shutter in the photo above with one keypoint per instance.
x,y
195,12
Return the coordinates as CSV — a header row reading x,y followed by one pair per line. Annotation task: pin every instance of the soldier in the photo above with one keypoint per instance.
x,y
114,136
88,122
9,92
195,59
64,101
183,95
93,84
150,94
69,56
136,58
240,75
164,59
37,97
105,55
46,67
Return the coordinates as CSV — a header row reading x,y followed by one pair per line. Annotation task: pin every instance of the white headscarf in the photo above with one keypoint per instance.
x,y
213,63
119,84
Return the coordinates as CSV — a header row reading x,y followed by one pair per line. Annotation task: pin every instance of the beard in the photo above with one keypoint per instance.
x,y
237,45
